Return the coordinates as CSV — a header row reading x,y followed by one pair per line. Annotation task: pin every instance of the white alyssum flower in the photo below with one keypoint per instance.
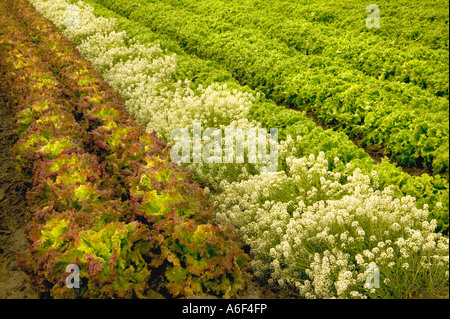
x,y
335,224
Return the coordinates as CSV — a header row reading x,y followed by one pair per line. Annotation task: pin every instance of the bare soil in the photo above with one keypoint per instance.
x,y
13,216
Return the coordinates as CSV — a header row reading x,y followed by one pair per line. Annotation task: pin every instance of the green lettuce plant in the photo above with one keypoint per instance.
x,y
109,254
161,186
47,138
69,182
197,258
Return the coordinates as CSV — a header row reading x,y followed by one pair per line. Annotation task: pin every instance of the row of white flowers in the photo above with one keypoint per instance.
x,y
144,76
309,231
305,222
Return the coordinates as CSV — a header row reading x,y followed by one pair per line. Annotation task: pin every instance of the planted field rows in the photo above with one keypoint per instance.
x,y
409,122
212,96
96,105
104,195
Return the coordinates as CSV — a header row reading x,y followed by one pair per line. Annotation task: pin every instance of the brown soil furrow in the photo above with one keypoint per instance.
x,y
13,216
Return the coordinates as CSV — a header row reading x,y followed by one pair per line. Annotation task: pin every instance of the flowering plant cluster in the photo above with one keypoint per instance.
x,y
317,236
94,174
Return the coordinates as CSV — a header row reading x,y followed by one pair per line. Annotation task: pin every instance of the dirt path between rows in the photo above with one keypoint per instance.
x,y
13,217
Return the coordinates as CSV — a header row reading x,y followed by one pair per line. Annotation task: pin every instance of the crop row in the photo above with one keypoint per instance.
x,y
217,100
428,27
310,229
342,35
410,123
104,195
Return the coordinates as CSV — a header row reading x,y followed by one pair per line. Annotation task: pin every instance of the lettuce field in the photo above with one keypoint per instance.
x,y
117,182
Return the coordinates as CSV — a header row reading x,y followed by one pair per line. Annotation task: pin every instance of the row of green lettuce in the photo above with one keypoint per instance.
x,y
314,231
428,27
410,123
105,197
341,33
428,190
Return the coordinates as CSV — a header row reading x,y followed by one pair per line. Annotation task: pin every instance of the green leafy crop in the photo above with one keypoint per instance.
x,y
69,181
112,261
198,258
161,186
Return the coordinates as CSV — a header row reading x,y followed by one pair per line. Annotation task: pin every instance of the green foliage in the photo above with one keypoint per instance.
x,y
110,255
312,29
160,187
47,139
393,114
111,260
36,110
290,122
68,182
198,258
384,112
